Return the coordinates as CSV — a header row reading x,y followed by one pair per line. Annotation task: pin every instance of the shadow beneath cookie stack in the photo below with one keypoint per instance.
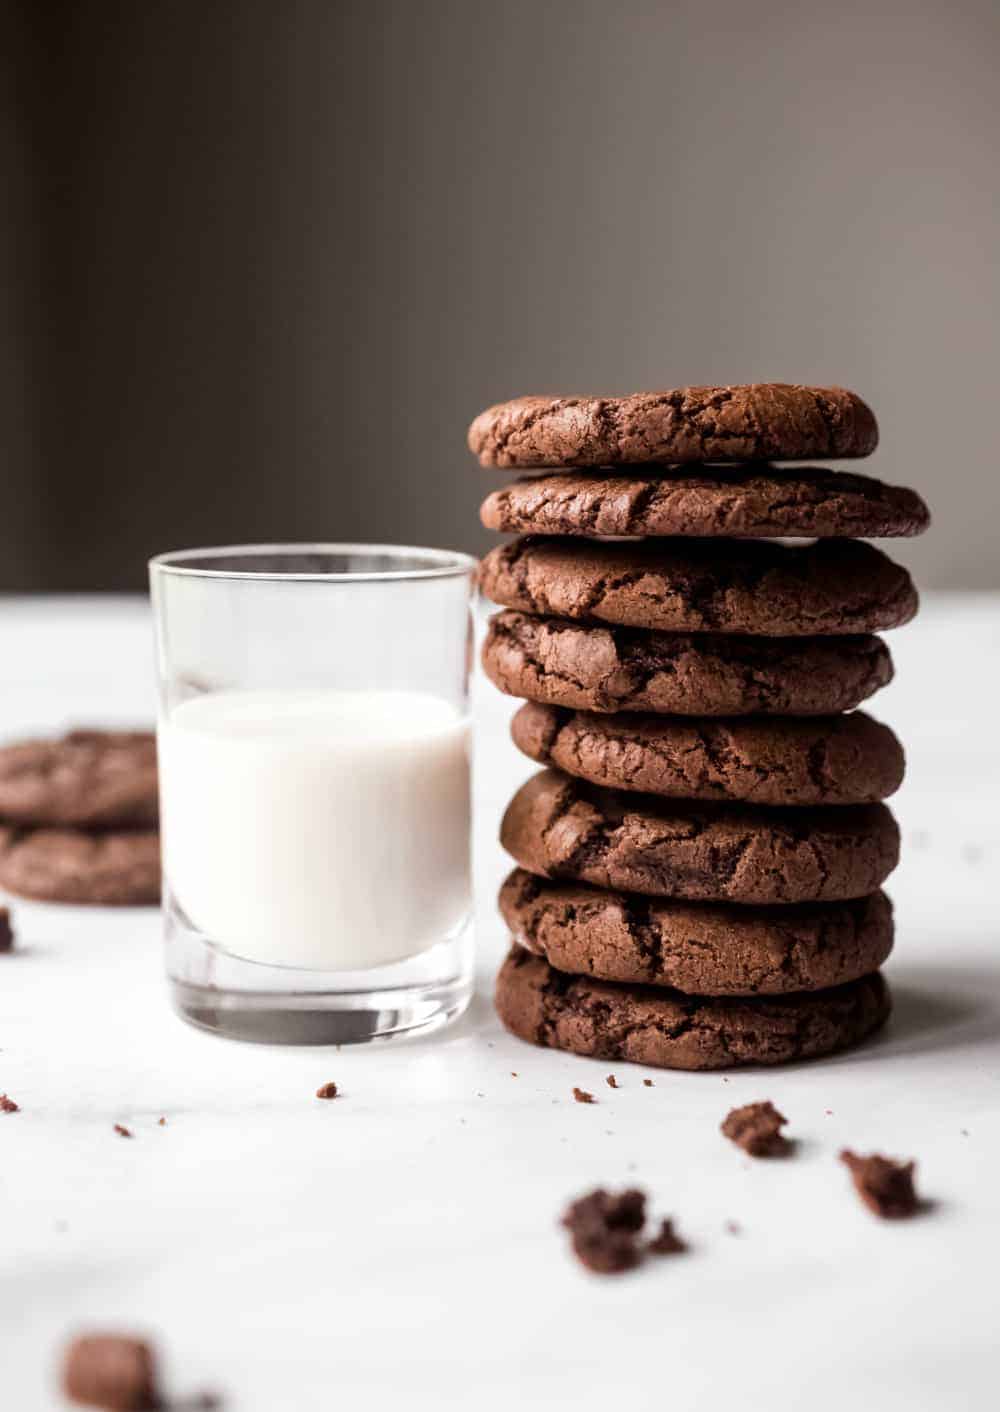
x,y
700,858
936,1009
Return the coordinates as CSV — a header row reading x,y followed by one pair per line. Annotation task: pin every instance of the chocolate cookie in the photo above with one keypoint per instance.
x,y
701,948
88,778
69,865
560,827
738,502
698,585
702,674
675,1031
761,421
825,760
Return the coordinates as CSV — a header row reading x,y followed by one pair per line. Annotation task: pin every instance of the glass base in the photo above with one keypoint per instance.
x,y
227,995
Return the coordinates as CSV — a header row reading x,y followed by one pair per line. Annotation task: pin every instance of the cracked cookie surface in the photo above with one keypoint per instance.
x,y
739,502
674,1031
701,948
748,422
608,668
560,827
698,585
848,759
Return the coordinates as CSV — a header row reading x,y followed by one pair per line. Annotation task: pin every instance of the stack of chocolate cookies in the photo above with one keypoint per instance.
x,y
78,818
701,857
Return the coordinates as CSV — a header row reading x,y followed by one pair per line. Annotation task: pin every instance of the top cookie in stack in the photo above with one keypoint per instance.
x,y
723,874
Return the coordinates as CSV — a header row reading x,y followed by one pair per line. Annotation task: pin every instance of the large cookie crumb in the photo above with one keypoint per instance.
x,y
756,1128
603,1229
886,1187
113,1372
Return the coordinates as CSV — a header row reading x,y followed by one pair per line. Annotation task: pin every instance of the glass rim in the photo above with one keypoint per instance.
x,y
438,563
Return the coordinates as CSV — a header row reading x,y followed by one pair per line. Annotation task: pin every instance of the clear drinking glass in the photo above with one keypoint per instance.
x,y
315,760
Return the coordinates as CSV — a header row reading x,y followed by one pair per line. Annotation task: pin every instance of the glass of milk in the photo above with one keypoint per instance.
x,y
314,754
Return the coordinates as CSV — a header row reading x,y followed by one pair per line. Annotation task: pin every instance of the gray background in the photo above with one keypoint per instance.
x,y
262,262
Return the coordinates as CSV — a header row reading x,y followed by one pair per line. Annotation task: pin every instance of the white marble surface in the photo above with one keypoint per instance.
x,y
399,1247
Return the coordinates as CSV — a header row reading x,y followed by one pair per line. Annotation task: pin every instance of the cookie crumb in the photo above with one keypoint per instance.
x,y
611,1081
122,1130
964,1132
733,1228
603,1229
161,1122
582,1096
756,1127
327,1091
7,1105
648,1083
513,1074
886,1187
667,1241
624,1212
6,930
111,1371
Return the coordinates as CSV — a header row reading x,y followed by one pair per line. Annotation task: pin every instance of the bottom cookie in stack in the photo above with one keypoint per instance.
x,y
78,818
673,1030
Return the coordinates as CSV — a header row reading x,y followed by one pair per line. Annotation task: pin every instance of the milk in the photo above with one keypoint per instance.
x,y
322,829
